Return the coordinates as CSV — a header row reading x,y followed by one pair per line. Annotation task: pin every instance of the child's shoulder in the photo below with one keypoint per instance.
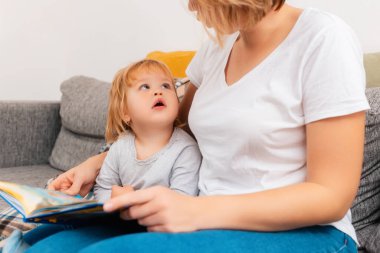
x,y
122,141
185,145
183,137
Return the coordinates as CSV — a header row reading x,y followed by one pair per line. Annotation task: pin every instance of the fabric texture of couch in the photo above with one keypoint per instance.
x,y
43,139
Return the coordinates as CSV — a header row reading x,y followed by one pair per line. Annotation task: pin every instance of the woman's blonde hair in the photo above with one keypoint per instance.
x,y
117,105
226,15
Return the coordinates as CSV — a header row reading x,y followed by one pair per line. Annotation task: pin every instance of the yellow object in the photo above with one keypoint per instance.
x,y
177,61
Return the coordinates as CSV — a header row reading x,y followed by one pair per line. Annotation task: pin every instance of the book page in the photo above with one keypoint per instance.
x,y
37,200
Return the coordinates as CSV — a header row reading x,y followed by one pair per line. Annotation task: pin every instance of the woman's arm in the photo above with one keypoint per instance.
x,y
80,179
334,161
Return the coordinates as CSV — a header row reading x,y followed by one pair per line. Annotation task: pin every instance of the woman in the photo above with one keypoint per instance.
x,y
277,106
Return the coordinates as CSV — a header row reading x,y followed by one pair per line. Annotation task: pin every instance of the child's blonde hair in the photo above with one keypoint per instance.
x,y
223,15
124,78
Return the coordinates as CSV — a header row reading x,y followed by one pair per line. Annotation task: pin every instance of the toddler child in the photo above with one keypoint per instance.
x,y
148,149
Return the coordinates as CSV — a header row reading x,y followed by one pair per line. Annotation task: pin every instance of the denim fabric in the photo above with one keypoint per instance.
x,y
15,244
93,239
72,238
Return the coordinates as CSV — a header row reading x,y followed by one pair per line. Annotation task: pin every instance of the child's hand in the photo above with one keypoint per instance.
x,y
120,190
75,181
81,178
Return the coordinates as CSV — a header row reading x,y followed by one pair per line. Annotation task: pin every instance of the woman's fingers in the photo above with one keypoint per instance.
x,y
162,228
137,212
124,214
158,208
158,228
129,199
152,220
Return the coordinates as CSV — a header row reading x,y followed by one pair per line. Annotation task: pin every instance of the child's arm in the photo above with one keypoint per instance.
x,y
185,172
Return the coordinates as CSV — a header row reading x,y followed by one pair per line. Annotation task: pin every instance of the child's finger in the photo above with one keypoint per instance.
x,y
128,188
119,190
74,188
116,191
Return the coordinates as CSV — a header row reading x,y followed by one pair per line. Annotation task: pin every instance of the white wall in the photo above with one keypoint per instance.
x,y
43,42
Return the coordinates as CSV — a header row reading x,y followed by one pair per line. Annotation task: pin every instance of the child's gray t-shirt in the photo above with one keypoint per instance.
x,y
175,166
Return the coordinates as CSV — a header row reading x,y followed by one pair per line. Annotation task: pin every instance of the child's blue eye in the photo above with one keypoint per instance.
x,y
144,87
166,86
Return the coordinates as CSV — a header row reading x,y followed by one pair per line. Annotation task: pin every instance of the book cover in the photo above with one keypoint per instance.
x,y
40,205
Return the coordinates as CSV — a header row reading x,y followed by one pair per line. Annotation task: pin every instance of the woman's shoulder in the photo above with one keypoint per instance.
x,y
317,21
318,29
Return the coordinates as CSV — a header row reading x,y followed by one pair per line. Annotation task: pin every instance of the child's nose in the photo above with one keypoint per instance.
x,y
158,93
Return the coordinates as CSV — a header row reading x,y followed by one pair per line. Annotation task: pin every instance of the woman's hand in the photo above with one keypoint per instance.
x,y
80,179
158,208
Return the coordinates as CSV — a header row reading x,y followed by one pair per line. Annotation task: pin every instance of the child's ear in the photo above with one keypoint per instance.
x,y
127,118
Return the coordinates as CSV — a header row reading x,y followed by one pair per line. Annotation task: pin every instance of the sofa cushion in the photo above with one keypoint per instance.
x,y
369,238
83,114
365,210
372,68
84,105
36,175
71,149
177,61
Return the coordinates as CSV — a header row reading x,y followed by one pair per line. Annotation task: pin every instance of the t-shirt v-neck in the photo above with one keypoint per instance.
x,y
266,59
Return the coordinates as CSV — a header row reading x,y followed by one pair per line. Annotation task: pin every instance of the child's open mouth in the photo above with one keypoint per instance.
x,y
159,104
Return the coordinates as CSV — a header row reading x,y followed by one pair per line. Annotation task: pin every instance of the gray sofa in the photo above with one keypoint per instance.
x,y
41,139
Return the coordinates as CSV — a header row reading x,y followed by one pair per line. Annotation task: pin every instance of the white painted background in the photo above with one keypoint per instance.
x,y
43,42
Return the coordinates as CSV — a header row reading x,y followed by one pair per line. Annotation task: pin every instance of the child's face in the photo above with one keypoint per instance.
x,y
152,100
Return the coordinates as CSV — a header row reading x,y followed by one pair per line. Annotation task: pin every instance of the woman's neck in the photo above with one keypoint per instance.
x,y
150,141
258,42
276,24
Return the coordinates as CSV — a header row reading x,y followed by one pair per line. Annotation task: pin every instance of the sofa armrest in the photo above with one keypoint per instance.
x,y
28,131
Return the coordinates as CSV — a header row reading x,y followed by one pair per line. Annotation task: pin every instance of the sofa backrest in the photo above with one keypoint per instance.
x,y
366,207
83,114
372,69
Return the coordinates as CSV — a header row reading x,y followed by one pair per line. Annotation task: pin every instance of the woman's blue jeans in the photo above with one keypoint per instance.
x,y
128,237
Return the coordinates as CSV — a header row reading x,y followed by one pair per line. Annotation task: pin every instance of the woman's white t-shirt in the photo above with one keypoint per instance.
x,y
252,134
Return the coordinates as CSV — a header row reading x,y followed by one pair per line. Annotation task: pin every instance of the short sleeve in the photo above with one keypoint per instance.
x,y
196,69
109,174
185,172
333,76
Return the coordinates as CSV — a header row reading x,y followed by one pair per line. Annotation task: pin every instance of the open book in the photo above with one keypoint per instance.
x,y
45,206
